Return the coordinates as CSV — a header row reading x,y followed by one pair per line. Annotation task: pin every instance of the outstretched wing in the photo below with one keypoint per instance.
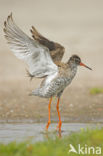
x,y
35,54
55,49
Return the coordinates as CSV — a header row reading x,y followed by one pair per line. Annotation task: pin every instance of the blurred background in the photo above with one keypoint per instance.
x,y
78,26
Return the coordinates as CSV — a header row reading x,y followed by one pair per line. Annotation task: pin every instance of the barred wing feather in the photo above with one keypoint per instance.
x,y
36,55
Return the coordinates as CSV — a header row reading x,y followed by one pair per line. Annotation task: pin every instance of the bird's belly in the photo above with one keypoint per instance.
x,y
53,88
56,87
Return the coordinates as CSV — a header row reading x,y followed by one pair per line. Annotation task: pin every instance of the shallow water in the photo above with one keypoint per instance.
x,y
36,131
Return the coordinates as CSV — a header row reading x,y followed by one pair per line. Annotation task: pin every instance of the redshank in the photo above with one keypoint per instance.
x,y
44,61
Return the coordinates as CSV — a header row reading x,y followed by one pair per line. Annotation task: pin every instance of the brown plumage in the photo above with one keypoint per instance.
x,y
56,50
44,60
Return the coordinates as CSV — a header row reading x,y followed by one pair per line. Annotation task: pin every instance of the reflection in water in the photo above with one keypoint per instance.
x,y
60,135
48,135
36,131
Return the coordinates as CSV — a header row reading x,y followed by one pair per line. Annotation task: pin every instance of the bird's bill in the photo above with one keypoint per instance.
x,y
82,64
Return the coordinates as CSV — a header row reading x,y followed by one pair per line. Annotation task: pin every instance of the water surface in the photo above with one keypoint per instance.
x,y
36,131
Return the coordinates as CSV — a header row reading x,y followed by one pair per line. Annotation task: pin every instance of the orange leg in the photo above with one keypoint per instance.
x,y
49,114
60,123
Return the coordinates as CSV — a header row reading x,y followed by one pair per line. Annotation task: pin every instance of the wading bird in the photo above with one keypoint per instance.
x,y
44,60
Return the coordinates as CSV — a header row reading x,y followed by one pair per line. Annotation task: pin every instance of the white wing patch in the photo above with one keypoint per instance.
x,y
36,55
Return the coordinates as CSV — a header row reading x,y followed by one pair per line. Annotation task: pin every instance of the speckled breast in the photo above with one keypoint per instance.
x,y
56,86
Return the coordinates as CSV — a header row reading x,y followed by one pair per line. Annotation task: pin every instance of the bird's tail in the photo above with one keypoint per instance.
x,y
35,92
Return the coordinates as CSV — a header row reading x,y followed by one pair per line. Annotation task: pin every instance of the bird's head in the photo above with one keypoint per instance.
x,y
75,59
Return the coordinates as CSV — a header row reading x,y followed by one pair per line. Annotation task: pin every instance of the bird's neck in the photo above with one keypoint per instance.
x,y
73,66
72,70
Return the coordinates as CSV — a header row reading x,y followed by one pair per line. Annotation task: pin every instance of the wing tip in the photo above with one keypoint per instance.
x,y
33,28
8,18
4,23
